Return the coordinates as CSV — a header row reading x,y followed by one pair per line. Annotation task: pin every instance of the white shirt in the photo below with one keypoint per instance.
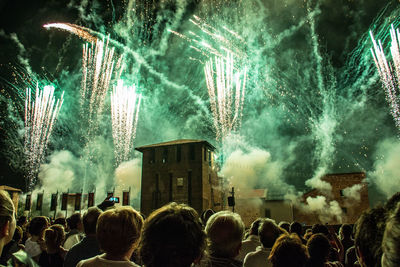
x,y
100,261
32,248
248,245
258,258
71,241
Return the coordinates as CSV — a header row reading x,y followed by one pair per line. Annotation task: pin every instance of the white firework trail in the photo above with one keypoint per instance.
x,y
226,89
388,73
125,105
98,66
40,115
72,28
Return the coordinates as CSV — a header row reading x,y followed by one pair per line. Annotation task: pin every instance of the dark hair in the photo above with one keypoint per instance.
x,y
21,220
61,221
320,229
255,225
369,234
18,233
90,220
284,225
37,225
74,220
288,251
391,204
347,230
296,227
172,236
54,236
318,247
391,240
269,232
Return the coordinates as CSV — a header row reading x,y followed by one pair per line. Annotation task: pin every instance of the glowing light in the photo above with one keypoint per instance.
x,y
72,28
40,116
389,75
226,90
98,67
125,104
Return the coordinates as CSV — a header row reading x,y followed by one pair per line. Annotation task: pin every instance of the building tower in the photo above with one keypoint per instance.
x,y
181,171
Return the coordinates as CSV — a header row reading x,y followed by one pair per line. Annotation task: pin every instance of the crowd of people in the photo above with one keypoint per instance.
x,y
176,236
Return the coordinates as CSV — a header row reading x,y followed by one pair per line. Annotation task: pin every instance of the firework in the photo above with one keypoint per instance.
x,y
388,73
125,104
72,28
98,67
226,89
40,116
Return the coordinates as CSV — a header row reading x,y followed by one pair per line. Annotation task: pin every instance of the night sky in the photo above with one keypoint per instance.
x,y
314,103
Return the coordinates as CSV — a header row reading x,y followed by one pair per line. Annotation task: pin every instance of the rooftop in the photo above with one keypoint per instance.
x,y
175,142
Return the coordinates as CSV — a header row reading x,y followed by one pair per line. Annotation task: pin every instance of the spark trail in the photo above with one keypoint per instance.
x,y
40,116
98,66
72,28
226,90
388,73
125,104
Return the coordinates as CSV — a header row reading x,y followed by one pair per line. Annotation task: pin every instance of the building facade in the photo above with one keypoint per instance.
x,y
181,171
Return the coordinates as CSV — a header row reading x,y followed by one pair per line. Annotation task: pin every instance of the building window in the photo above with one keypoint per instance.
x,y
191,152
178,153
190,188
267,213
341,193
179,181
344,210
209,158
170,187
205,154
152,158
165,155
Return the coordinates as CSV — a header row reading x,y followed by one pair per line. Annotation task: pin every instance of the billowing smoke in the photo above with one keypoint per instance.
x,y
352,193
386,174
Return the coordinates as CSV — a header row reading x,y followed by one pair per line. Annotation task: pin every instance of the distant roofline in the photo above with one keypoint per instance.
x,y
341,174
175,142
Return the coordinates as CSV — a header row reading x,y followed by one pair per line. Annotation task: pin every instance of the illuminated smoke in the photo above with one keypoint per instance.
x,y
40,116
125,104
389,74
226,89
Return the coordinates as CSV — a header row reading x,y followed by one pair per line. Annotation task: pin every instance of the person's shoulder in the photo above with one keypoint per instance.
x,y
88,262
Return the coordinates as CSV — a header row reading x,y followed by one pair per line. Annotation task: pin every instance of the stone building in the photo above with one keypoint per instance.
x,y
182,171
349,191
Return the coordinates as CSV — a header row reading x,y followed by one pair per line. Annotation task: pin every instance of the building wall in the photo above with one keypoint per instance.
x,y
165,178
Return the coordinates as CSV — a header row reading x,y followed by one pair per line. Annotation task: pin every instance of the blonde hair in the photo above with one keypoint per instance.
x,y
6,208
118,230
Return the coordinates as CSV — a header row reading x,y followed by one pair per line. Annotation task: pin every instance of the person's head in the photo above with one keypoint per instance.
x,y
297,228
172,236
22,221
37,226
206,215
75,222
118,231
18,234
318,247
269,232
254,226
288,251
7,219
54,236
391,240
224,232
61,221
284,225
391,204
320,229
345,231
90,220
368,236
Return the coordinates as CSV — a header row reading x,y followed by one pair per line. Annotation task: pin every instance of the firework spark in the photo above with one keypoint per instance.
x,y
389,75
98,67
72,28
40,116
125,104
226,89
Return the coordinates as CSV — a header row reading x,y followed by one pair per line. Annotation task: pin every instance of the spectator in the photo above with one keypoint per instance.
x,y
252,241
268,233
224,232
297,228
74,236
7,219
35,244
391,240
288,251
345,232
62,221
336,252
172,237
206,215
118,231
23,222
368,237
285,225
88,247
318,247
54,254
12,247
